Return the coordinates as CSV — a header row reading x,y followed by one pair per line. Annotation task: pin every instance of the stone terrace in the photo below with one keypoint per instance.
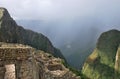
x,y
19,61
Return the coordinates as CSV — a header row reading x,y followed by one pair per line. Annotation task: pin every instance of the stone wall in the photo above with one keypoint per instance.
x,y
52,68
10,71
18,55
30,64
2,72
14,53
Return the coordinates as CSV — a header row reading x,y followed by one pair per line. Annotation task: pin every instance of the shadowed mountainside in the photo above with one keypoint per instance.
x,y
12,33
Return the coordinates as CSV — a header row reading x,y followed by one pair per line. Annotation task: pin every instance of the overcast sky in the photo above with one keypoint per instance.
x,y
71,25
106,12
62,9
59,16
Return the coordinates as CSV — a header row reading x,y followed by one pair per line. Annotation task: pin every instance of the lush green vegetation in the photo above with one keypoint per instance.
x,y
107,45
100,64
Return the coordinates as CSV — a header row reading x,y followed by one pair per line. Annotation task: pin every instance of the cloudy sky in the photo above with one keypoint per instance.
x,y
59,16
71,25
62,9
66,22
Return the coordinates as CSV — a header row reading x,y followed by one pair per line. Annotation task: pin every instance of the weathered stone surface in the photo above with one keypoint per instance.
x,y
2,72
27,63
10,72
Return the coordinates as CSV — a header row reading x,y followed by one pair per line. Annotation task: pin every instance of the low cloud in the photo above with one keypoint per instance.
x,y
61,18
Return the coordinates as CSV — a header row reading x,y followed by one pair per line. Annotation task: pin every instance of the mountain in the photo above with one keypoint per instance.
x,y
75,42
104,62
13,33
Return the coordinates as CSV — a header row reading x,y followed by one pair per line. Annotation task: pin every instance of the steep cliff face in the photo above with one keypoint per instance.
x,y
12,33
103,63
117,63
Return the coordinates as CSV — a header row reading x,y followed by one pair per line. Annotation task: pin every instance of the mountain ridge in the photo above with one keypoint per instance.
x,y
12,33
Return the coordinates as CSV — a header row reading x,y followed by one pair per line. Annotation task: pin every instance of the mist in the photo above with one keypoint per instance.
x,y
72,25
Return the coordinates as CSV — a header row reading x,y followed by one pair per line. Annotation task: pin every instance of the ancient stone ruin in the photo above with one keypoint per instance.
x,y
15,62
23,62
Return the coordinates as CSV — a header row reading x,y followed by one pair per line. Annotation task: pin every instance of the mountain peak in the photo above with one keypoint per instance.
x,y
103,63
10,32
4,13
109,40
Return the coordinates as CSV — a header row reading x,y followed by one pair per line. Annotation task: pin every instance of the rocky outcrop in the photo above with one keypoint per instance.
x,y
103,63
10,32
117,63
18,61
